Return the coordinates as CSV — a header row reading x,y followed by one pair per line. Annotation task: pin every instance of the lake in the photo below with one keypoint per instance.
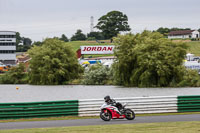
x,y
33,93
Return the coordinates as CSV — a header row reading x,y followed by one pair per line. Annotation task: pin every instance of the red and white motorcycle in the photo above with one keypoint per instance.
x,y
109,112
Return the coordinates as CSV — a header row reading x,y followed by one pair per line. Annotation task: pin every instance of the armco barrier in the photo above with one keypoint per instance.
x,y
140,105
189,103
91,107
38,109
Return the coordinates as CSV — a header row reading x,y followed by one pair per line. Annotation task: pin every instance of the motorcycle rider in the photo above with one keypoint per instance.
x,y
112,102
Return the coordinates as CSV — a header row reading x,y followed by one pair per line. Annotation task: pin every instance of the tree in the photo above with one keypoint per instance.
x,y
112,23
53,63
199,29
176,29
26,41
148,60
79,36
18,38
64,38
37,43
23,48
96,35
163,31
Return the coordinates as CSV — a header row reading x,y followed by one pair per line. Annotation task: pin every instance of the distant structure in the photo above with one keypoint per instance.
x,y
183,34
8,47
92,24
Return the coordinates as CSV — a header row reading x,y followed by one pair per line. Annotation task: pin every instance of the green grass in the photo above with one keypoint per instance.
x,y
194,47
164,127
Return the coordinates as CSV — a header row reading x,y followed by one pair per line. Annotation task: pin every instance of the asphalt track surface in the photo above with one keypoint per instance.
x,y
87,122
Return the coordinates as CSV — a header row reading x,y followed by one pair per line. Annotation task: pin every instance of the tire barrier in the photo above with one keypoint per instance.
x,y
38,109
189,103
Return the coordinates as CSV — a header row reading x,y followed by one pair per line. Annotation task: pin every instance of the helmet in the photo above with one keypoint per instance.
x,y
107,98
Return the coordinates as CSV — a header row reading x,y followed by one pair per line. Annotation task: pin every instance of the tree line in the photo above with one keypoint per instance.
x,y
109,26
145,59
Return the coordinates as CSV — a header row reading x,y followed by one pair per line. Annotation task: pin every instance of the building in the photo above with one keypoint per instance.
x,y
183,34
8,47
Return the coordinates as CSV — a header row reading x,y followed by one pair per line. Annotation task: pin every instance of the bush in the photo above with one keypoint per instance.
x,y
191,78
16,75
96,75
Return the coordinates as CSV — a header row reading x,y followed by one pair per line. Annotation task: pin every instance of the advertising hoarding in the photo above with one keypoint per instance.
x,y
107,49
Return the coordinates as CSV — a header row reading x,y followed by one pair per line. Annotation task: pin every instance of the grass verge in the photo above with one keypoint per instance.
x,y
86,117
165,127
194,47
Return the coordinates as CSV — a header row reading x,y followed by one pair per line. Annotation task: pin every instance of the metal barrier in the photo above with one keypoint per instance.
x,y
140,105
38,109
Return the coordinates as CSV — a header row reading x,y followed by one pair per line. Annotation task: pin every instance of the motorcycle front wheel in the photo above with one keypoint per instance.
x,y
105,116
130,115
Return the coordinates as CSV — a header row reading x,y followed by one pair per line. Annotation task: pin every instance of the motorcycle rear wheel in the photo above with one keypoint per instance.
x,y
105,116
130,115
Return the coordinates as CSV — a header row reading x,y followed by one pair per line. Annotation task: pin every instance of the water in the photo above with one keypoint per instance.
x,y
31,93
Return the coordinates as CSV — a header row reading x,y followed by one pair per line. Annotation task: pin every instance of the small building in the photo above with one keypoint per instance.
x,y
184,34
25,60
8,47
190,57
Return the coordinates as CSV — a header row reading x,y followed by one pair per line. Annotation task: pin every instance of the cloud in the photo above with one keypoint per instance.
x,y
38,19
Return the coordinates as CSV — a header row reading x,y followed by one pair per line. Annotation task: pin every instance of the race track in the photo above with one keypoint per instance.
x,y
86,122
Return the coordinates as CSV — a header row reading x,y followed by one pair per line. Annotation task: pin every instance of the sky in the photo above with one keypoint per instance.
x,y
39,19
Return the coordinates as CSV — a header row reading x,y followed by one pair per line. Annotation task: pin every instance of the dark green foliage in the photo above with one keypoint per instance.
x,y
190,78
148,60
96,75
96,35
16,75
64,38
53,63
23,48
37,43
18,38
26,43
79,36
112,23
165,31
176,29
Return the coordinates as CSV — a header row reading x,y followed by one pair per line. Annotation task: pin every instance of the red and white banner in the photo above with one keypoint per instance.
x,y
108,49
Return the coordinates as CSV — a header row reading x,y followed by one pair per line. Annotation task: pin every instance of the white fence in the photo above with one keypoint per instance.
x,y
140,105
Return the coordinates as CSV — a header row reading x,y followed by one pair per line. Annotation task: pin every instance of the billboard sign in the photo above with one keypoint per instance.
x,y
98,49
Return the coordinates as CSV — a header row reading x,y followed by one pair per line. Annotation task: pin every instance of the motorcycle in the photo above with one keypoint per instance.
x,y
109,112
